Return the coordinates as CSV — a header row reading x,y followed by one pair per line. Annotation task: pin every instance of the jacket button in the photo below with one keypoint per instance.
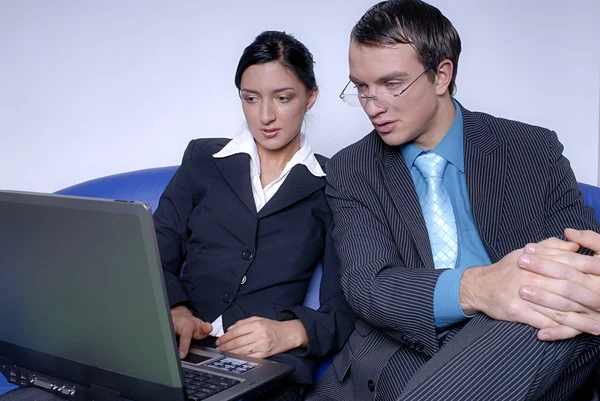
x,y
243,280
371,385
247,254
228,297
411,344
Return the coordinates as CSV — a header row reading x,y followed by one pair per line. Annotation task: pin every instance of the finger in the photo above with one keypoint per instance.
x,y
245,321
564,281
587,238
583,263
543,248
579,321
557,333
555,267
202,330
245,350
185,339
560,245
525,313
239,342
234,332
549,300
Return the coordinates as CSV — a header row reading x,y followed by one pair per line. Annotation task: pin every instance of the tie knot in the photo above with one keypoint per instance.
x,y
431,165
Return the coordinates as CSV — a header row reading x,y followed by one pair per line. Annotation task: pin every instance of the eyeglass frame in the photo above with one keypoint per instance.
x,y
374,98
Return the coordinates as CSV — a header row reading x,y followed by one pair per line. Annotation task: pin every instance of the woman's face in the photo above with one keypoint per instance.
x,y
274,101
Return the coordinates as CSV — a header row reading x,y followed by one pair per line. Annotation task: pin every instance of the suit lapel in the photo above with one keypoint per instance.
x,y
402,191
299,184
236,171
485,162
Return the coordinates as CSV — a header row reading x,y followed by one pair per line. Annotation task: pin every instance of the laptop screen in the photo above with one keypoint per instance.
x,y
64,262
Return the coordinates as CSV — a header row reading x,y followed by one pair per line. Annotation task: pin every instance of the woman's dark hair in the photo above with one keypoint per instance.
x,y
414,22
283,48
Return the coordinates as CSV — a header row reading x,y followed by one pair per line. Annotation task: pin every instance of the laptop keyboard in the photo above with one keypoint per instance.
x,y
201,385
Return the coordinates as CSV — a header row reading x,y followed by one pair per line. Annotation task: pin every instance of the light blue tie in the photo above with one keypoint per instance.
x,y
437,211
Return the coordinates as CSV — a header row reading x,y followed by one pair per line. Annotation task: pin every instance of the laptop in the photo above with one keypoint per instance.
x,y
84,312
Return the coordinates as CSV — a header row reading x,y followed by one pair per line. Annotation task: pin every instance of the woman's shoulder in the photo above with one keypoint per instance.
x,y
322,160
205,147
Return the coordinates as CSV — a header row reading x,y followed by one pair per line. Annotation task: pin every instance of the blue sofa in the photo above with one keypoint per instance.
x,y
147,185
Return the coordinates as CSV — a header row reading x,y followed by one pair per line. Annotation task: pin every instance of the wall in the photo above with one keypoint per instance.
x,y
100,87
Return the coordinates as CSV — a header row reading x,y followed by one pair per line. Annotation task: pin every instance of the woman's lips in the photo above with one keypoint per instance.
x,y
270,133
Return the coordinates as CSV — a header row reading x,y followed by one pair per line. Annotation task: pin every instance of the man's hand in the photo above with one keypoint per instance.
x,y
494,290
188,327
573,299
261,338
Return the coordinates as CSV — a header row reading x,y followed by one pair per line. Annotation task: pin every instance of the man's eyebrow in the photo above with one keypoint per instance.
x,y
386,77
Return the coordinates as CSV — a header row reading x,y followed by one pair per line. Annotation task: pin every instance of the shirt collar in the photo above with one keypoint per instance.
x,y
451,147
244,143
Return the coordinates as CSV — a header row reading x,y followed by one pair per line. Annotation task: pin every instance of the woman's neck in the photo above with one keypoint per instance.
x,y
272,162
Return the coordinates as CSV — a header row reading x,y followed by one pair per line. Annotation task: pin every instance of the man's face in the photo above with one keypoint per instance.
x,y
410,117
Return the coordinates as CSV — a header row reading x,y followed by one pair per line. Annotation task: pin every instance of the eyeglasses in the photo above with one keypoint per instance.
x,y
380,99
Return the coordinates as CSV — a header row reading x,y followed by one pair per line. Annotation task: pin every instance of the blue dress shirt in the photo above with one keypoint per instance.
x,y
471,252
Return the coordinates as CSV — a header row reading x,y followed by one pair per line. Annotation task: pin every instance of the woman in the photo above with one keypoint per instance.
x,y
249,218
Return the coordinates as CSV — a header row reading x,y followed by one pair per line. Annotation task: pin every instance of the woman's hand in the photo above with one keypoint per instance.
x,y
261,338
188,327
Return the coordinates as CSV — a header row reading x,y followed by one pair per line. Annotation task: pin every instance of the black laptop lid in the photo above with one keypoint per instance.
x,y
65,262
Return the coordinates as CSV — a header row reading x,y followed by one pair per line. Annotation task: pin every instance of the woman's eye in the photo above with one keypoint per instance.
x,y
283,99
251,99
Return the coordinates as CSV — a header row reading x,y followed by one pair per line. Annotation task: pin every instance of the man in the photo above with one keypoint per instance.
x,y
445,221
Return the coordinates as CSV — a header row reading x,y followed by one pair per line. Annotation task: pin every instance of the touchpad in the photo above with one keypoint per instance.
x,y
197,359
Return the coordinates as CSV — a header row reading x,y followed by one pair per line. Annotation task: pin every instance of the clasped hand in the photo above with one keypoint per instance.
x,y
545,285
570,292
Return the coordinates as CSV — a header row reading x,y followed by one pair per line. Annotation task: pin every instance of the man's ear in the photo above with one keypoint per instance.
x,y
443,76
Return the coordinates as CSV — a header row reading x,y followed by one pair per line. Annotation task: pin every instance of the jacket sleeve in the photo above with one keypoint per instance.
x,y
329,327
170,221
380,288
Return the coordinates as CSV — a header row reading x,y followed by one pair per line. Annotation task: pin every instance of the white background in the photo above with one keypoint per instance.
x,y
90,88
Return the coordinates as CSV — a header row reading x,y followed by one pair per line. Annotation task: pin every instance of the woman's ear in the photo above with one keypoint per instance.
x,y
312,98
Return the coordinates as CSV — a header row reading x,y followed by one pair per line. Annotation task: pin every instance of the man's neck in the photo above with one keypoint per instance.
x,y
439,126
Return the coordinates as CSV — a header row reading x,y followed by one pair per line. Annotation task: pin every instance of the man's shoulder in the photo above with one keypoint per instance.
x,y
505,129
360,151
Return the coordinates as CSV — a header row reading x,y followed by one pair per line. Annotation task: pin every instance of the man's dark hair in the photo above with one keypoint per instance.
x,y
413,22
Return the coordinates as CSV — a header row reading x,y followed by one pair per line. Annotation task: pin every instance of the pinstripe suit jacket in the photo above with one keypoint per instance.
x,y
521,189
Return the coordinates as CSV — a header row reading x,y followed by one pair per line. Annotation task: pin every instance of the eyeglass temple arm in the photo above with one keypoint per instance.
x,y
343,90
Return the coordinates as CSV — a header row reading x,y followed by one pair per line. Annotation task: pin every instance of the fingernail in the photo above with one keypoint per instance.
x,y
545,337
573,231
524,261
527,292
596,329
181,355
530,249
218,342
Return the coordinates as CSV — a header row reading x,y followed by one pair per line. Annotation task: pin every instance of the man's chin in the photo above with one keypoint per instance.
x,y
392,138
